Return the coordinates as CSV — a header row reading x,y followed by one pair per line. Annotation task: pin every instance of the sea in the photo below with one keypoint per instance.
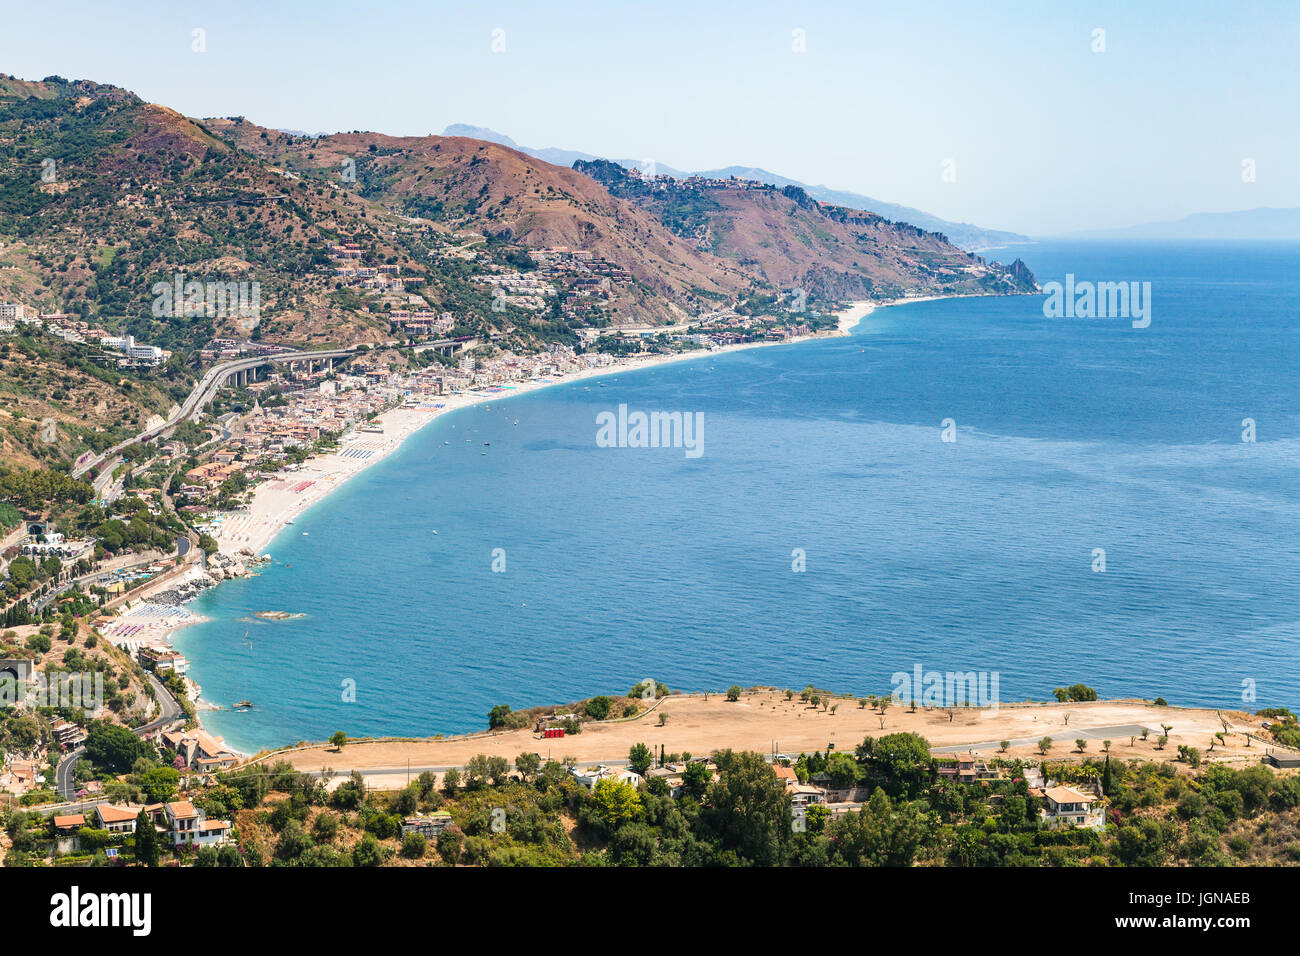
x,y
963,485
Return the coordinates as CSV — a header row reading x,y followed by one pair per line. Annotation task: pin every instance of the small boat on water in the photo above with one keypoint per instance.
x,y
243,705
304,534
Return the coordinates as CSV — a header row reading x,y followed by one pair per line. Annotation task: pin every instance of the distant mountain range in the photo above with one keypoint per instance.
x,y
1264,223
961,234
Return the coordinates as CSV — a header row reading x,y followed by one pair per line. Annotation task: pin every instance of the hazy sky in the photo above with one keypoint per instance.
x,y
1044,134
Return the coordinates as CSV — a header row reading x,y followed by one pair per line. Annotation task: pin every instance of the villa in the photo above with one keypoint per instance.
x,y
966,769
198,750
1067,806
590,776
188,825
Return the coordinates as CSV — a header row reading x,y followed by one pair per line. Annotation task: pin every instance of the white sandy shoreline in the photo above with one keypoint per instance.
x,y
274,506
278,501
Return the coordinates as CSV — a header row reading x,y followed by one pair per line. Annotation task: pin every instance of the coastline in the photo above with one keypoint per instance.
x,y
273,506
285,495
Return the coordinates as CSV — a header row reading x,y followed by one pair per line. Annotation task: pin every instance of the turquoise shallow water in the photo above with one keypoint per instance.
x,y
626,563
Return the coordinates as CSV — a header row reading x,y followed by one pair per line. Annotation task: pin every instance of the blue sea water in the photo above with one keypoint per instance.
x,y
624,563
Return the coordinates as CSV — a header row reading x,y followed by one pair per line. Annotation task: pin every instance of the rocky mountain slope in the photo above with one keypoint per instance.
x,y
791,240
964,235
469,185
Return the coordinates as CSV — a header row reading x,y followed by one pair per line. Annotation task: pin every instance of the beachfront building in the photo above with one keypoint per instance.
x,y
162,659
198,750
1067,806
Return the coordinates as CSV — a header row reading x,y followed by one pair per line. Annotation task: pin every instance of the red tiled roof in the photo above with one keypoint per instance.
x,y
110,814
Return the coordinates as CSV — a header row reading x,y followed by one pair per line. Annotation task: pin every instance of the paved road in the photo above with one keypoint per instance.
x,y
1073,733
109,567
171,710
213,379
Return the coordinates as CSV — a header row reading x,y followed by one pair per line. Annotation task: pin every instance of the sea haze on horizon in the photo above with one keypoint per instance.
x,y
1073,434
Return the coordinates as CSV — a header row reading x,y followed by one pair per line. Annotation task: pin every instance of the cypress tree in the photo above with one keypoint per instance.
x,y
146,840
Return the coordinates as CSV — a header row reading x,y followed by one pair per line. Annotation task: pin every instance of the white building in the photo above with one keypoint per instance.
x,y
145,354
187,825
1067,806
590,776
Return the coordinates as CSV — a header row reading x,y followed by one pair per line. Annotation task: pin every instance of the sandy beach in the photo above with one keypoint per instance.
x,y
763,719
287,494
277,501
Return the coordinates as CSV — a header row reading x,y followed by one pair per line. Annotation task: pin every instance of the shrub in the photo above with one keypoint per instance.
x,y
414,846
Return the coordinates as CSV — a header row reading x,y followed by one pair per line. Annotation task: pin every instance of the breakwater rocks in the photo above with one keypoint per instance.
x,y
220,567
186,590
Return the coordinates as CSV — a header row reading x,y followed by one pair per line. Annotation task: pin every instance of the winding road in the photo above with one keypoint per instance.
x,y
202,393
171,711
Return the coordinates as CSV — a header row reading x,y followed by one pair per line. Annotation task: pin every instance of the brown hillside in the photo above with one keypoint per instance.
x,y
471,185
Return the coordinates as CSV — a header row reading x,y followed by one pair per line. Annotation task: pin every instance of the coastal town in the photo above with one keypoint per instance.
x,y
206,501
